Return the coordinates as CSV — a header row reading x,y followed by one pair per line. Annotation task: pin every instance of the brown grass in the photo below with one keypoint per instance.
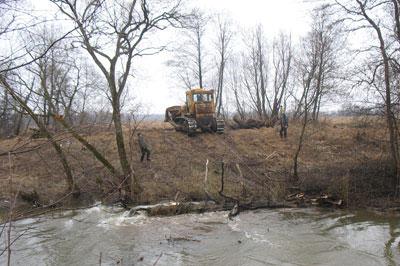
x,y
340,156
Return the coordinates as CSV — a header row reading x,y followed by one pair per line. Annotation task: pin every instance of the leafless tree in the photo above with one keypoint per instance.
x,y
114,33
282,57
72,186
235,85
190,57
224,38
367,15
307,67
9,83
330,44
255,72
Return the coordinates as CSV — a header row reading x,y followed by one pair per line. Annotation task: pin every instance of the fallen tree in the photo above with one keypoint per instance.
x,y
239,123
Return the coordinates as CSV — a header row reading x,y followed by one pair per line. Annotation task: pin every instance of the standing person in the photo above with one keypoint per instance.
x,y
144,147
284,125
281,111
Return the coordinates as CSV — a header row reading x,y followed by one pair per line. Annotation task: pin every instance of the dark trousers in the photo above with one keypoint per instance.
x,y
283,132
145,151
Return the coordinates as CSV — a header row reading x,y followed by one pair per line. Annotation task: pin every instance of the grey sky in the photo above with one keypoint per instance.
x,y
155,85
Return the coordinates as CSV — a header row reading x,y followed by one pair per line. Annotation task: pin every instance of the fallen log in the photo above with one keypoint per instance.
x,y
328,201
239,123
248,123
324,200
174,208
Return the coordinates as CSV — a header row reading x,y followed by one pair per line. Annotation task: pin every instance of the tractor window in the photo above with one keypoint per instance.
x,y
202,97
207,97
198,97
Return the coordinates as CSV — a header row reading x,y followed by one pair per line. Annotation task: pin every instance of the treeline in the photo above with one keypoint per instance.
x,y
65,73
255,74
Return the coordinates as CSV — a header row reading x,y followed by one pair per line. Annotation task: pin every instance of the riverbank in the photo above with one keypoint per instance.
x,y
343,158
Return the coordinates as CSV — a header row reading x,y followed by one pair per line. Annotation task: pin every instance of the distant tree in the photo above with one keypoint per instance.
x,y
223,43
190,56
282,61
330,44
235,85
327,42
255,72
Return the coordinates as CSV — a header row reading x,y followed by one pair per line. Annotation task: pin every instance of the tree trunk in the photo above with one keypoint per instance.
x,y
388,102
72,186
129,180
199,59
301,139
119,137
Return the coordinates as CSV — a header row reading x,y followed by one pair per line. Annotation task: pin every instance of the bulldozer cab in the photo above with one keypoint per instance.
x,y
200,101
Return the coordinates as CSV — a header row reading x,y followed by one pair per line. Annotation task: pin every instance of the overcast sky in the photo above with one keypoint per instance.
x,y
155,85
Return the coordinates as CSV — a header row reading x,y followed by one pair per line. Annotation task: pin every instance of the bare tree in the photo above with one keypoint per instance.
x,y
307,67
282,54
235,83
366,15
190,55
72,186
9,88
113,33
255,76
224,37
330,44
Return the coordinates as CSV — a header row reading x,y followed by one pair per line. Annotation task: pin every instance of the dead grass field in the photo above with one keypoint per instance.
x,y
345,157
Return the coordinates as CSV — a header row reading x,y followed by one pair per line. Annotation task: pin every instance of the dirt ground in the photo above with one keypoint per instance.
x,y
343,157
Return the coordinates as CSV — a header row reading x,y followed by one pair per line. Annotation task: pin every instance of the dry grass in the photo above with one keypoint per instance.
x,y
337,154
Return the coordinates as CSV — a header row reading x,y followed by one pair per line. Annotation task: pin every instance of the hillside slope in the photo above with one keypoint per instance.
x,y
342,157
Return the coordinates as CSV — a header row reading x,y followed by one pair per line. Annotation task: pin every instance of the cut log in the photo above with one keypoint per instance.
x,y
174,208
249,123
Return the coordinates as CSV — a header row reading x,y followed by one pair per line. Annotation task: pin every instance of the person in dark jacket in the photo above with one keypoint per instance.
x,y
144,147
284,125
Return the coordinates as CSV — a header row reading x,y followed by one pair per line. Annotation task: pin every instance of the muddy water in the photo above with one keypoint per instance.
x,y
266,237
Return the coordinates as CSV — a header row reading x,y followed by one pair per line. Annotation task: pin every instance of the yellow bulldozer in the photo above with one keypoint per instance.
x,y
197,113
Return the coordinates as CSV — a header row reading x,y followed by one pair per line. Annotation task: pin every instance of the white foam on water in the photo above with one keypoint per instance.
x,y
124,219
69,224
258,238
26,221
92,210
396,242
234,225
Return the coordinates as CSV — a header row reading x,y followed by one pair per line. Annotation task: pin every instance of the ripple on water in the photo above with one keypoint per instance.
x,y
289,237
69,224
140,218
